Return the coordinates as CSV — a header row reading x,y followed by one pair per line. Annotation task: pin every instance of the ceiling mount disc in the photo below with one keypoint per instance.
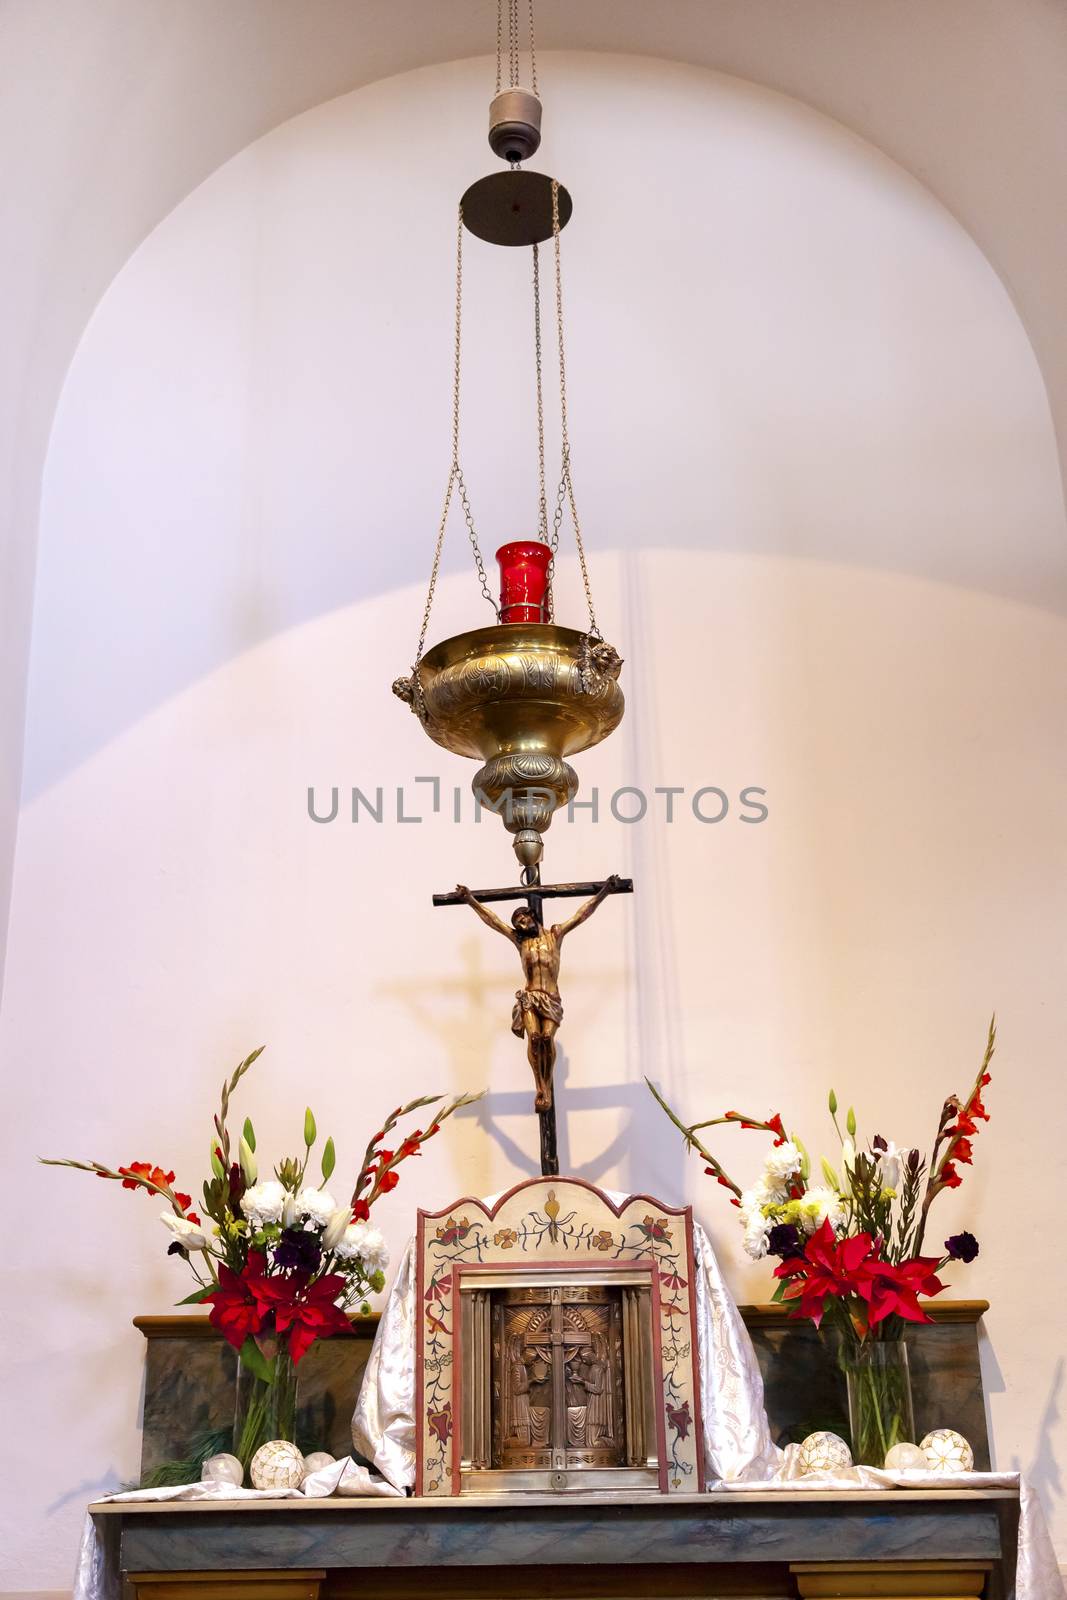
x,y
513,208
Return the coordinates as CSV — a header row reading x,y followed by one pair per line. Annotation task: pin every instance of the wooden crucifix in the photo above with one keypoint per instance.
x,y
538,1009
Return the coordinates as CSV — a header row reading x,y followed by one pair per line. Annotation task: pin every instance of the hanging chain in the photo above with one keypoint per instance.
x,y
513,27
533,52
513,46
456,481
499,42
542,496
566,485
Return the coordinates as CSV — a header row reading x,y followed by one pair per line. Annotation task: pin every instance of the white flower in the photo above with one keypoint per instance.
x,y
755,1240
889,1166
335,1228
783,1163
263,1202
288,1218
820,1205
316,1206
188,1234
848,1154
363,1243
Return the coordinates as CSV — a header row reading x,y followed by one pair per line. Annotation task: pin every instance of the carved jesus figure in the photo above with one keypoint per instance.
x,y
538,1009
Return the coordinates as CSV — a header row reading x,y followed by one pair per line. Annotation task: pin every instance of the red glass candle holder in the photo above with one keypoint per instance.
x,y
524,581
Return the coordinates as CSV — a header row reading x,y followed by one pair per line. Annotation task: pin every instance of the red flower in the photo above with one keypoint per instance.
x,y
412,1145
304,1311
144,1169
775,1125
949,1178
385,1156
827,1270
361,1211
962,1151
894,1291
184,1200
389,1180
237,1305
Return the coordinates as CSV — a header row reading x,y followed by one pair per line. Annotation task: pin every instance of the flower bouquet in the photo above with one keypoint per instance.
x,y
278,1259
850,1249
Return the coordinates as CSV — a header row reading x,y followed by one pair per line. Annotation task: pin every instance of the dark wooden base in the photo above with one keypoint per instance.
x,y
898,1545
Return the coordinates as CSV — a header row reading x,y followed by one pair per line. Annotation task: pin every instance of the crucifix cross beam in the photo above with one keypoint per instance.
x,y
536,893
538,1009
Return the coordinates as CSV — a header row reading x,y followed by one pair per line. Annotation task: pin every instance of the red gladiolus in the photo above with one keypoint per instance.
x,y
962,1151
361,1211
389,1180
304,1311
144,1169
385,1156
412,1145
949,1178
775,1125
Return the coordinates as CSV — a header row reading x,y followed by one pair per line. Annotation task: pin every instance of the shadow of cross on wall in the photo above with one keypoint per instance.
x,y
469,1013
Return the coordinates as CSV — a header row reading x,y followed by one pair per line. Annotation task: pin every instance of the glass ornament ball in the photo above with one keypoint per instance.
x,y
905,1457
222,1469
946,1450
824,1452
316,1461
278,1464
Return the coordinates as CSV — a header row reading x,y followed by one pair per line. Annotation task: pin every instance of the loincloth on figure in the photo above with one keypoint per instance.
x,y
537,1000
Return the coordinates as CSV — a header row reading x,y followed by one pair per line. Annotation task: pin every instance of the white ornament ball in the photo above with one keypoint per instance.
x,y
316,1461
905,1458
222,1469
945,1450
824,1452
277,1465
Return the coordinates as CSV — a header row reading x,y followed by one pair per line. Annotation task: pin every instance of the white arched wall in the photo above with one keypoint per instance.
x,y
819,479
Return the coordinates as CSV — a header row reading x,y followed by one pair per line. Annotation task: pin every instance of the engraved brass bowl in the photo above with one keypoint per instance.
x,y
521,697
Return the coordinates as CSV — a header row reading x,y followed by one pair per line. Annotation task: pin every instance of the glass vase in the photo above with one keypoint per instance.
x,y
262,1410
879,1398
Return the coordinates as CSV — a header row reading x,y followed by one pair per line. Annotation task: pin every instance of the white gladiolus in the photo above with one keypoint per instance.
x,y
263,1202
361,1242
335,1228
316,1206
188,1234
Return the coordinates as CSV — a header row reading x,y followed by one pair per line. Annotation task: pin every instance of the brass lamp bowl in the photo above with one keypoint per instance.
x,y
520,697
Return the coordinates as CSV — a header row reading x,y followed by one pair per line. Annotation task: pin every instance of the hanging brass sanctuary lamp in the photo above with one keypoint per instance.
x,y
524,693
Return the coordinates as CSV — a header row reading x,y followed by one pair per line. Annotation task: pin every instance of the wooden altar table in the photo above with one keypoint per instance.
x,y
898,1545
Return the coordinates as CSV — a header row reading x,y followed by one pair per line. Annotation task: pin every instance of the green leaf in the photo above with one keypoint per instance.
x,y
833,1104
309,1128
329,1160
776,1297
850,1123
253,1358
195,1298
248,1133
